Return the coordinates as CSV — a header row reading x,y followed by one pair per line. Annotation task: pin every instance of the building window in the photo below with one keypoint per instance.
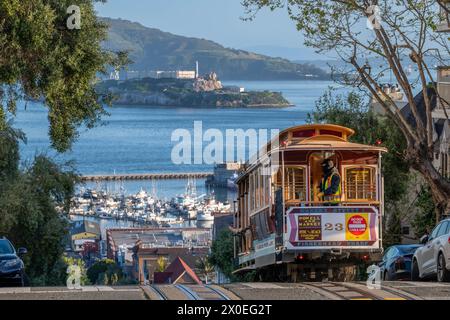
x,y
445,165
360,183
405,231
295,183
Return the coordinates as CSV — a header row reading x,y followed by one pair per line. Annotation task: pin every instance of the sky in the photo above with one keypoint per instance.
x,y
218,20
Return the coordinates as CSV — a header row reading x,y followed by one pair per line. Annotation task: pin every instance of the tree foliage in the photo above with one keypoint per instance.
x,y
424,221
40,57
222,254
29,198
105,271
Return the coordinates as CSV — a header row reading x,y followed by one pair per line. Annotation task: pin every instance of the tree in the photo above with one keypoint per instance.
x,y
424,221
222,254
105,271
205,267
28,201
161,263
41,57
405,35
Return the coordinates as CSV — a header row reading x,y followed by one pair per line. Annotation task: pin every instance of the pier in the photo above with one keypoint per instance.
x,y
148,176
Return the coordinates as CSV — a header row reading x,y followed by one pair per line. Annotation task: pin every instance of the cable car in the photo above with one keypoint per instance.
x,y
284,225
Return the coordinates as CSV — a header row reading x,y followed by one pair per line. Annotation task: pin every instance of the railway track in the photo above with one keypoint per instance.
x,y
188,292
356,291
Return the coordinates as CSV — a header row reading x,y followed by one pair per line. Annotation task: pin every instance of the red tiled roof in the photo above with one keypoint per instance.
x,y
178,267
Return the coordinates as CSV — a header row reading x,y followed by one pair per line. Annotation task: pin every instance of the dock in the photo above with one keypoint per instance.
x,y
148,176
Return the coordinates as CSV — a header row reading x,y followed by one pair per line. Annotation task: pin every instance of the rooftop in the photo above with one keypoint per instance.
x,y
159,237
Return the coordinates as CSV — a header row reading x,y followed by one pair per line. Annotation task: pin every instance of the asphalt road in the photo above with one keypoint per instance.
x,y
391,290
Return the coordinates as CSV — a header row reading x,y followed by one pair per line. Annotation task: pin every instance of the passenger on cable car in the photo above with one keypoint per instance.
x,y
330,187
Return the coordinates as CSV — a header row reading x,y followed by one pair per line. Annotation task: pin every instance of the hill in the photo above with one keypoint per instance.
x,y
153,49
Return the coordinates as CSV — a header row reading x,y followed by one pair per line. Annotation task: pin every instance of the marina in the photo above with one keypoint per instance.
x,y
147,209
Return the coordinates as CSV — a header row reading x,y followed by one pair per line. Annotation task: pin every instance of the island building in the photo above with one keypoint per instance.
x,y
137,250
159,74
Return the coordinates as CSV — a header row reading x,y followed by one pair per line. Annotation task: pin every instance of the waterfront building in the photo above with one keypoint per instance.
x,y
224,175
83,233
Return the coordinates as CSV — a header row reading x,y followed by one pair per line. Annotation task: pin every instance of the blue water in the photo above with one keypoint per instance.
x,y
138,139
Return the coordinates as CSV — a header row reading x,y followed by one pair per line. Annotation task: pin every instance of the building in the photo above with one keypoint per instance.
x,y
234,89
138,249
178,272
441,112
222,222
84,233
444,25
179,74
224,175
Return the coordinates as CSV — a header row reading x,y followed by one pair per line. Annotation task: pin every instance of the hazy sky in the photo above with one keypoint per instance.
x,y
217,20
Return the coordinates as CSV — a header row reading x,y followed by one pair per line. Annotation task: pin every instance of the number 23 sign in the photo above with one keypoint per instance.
x,y
335,225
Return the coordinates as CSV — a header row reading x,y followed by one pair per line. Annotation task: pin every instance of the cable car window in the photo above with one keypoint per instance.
x,y
304,133
294,183
360,183
331,133
260,226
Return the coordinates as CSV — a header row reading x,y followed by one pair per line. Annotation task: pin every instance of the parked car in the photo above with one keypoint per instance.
x,y
396,263
433,259
12,270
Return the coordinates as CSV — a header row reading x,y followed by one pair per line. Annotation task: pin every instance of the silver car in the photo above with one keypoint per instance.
x,y
433,259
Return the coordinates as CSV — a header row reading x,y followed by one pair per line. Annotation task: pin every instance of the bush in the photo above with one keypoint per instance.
x,y
105,272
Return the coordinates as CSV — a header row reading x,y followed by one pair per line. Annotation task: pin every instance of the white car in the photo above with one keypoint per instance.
x,y
433,259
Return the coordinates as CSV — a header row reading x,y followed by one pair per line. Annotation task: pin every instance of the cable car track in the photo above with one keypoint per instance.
x,y
347,291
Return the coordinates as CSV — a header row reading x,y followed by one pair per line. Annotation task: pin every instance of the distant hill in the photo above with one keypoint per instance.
x,y
153,49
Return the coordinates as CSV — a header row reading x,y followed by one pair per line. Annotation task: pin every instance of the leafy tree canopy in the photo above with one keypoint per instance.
x,y
29,199
40,57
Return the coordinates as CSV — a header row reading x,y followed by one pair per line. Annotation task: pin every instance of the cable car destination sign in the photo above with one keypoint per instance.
x,y
325,227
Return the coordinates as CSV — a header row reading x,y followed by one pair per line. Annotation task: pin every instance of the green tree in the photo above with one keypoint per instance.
x,y
28,201
161,263
205,267
40,57
424,221
105,271
222,254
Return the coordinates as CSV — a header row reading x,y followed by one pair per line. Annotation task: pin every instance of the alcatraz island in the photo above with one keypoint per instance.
x,y
186,89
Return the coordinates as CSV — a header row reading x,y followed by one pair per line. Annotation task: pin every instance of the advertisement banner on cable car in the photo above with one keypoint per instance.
x,y
332,227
